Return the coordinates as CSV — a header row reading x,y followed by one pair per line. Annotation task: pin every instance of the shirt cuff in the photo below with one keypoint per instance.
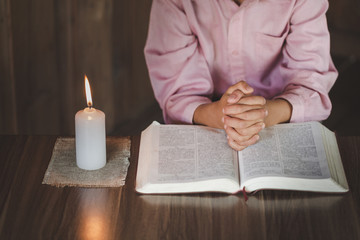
x,y
190,109
184,114
297,104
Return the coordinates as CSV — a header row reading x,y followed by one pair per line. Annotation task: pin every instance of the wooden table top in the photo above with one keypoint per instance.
x,y
31,210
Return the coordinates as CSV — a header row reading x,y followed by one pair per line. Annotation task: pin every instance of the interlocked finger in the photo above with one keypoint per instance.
x,y
252,130
235,136
242,86
242,145
252,100
238,123
251,115
234,109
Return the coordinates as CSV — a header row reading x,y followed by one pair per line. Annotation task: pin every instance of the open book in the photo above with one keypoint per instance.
x,y
190,158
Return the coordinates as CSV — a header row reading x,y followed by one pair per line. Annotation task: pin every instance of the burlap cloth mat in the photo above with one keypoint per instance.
x,y
63,171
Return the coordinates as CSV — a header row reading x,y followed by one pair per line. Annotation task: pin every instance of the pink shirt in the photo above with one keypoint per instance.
x,y
196,49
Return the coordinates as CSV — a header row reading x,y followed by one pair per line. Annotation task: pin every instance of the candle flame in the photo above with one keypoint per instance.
x,y
88,92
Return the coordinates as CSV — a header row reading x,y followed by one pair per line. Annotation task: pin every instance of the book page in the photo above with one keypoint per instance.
x,y
288,150
193,153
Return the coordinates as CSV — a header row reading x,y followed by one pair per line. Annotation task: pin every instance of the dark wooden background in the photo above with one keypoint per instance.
x,y
46,47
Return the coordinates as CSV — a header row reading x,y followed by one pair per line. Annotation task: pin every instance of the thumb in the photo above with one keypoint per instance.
x,y
235,96
242,86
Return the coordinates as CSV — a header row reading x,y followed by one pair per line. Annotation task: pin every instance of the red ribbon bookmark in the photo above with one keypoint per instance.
x,y
244,193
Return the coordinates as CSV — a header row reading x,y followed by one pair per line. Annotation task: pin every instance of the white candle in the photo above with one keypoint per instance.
x,y
90,136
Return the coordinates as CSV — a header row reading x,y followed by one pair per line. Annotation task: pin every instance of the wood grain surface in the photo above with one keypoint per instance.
x,y
30,210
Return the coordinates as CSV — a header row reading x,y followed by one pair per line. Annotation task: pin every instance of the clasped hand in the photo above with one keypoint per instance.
x,y
243,115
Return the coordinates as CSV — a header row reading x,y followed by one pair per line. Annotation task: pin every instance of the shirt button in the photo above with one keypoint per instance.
x,y
235,52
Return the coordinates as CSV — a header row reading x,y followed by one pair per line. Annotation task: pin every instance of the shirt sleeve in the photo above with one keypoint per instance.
x,y
177,68
307,65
